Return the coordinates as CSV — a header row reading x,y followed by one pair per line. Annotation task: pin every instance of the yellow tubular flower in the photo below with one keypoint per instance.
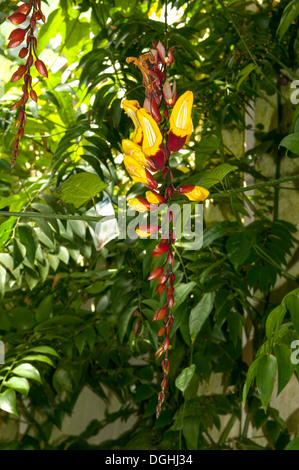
x,y
180,122
130,148
138,173
131,107
152,137
139,204
154,198
194,193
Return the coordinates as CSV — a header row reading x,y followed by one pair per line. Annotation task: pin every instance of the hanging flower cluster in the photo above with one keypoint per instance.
x,y
158,133
27,12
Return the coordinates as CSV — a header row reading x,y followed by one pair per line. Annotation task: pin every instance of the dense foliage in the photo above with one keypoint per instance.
x,y
73,316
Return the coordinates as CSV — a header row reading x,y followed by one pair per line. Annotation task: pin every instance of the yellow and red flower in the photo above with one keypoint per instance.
x,y
130,148
154,198
152,139
194,193
139,204
147,230
131,107
180,122
138,173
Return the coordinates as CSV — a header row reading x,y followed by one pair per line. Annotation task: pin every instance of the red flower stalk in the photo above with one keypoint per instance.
x,y
162,126
31,11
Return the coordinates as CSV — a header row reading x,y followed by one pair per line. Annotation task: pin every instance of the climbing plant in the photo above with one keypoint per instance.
x,y
77,309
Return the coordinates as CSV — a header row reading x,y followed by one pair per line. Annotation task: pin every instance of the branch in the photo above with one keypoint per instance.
x,y
222,194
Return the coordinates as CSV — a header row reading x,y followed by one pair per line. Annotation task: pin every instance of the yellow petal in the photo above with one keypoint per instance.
x,y
197,194
180,119
152,137
152,198
131,107
137,205
129,147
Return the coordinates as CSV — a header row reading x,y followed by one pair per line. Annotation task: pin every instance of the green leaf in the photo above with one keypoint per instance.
x,y
181,293
18,253
243,74
200,313
284,365
8,402
44,310
124,322
250,376
44,350
40,358
62,380
185,377
216,175
293,445
291,142
20,384
292,304
289,15
265,377
239,245
21,317
217,230
274,321
27,239
28,371
80,188
191,427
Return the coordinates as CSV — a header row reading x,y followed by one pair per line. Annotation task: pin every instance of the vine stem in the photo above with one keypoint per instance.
x,y
86,218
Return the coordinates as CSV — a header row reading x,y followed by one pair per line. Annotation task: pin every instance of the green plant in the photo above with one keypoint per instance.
x,y
72,316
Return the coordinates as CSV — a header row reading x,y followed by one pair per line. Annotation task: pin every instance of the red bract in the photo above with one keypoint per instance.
x,y
170,301
160,314
160,289
170,258
156,273
41,68
24,8
170,291
160,250
161,331
17,34
23,52
17,18
166,344
13,44
16,38
19,73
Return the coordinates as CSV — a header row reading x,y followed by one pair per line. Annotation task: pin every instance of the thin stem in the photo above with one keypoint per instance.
x,y
166,26
222,194
36,215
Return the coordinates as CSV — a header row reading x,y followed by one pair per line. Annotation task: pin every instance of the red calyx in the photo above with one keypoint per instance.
x,y
160,314
41,68
17,18
186,188
160,250
155,274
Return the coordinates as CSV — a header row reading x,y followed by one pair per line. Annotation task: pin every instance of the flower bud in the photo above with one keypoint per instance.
x,y
156,273
160,314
